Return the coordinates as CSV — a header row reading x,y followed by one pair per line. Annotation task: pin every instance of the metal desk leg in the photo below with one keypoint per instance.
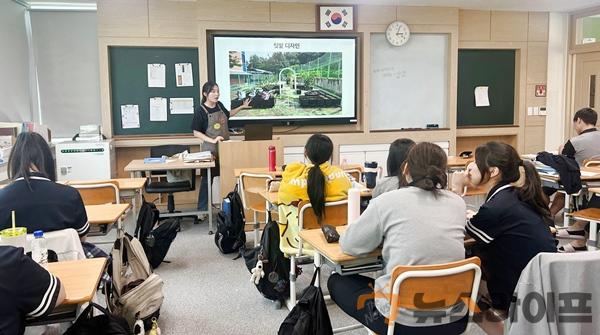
x,y
317,261
567,211
209,207
592,243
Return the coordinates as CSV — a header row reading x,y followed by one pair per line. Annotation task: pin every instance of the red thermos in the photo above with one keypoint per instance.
x,y
272,159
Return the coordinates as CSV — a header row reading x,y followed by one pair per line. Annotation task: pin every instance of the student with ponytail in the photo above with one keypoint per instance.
x,y
318,182
420,224
512,225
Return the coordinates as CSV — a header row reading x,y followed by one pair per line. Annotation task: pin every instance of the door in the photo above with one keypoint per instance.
x,y
587,83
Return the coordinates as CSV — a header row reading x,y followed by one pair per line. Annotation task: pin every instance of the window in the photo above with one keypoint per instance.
x,y
588,29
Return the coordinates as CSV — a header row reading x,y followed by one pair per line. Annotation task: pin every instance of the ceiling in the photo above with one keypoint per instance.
x,y
516,5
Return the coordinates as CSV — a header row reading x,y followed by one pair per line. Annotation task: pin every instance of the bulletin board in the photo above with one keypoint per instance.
x,y
129,86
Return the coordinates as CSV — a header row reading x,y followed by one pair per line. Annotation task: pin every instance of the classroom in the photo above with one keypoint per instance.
x,y
299,167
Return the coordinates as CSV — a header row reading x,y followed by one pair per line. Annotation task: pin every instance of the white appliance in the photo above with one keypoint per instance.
x,y
85,160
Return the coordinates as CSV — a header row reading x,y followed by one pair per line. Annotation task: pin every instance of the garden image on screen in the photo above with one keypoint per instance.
x,y
286,78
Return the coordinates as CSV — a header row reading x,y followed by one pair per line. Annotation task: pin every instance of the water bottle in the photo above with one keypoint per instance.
x,y
39,252
272,159
370,173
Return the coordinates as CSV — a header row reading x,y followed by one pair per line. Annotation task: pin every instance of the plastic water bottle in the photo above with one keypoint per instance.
x,y
39,251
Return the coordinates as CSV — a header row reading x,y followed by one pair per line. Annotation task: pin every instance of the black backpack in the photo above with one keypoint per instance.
x,y
156,236
309,316
230,235
105,324
275,285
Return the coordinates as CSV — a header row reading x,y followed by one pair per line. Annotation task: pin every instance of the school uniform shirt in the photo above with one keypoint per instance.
x,y
510,233
47,206
583,146
26,290
200,120
417,227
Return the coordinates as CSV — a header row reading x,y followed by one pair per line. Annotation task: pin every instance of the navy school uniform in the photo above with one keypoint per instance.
x,y
510,233
26,290
47,206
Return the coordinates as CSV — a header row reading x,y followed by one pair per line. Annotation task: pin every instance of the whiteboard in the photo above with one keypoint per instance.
x,y
409,84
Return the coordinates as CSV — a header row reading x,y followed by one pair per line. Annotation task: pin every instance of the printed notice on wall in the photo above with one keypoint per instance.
x,y
156,75
182,105
183,75
481,96
130,116
158,109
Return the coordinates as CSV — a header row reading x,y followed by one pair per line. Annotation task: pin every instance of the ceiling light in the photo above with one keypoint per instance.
x,y
62,6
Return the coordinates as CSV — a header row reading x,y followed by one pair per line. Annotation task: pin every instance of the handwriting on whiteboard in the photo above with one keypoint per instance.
x,y
389,72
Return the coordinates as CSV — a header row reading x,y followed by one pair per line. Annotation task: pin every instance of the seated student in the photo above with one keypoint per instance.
x,y
510,226
318,182
396,156
581,147
26,290
427,228
38,201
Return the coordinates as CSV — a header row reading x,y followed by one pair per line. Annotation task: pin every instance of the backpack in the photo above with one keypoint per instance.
x,y
155,236
105,324
309,316
275,285
136,292
230,235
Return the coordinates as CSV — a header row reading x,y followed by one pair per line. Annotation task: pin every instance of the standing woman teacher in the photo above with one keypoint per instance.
x,y
210,124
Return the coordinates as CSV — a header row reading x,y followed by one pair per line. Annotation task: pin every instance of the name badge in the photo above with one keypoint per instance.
x,y
217,126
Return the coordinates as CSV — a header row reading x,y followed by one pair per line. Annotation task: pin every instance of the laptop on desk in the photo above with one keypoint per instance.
x,y
258,132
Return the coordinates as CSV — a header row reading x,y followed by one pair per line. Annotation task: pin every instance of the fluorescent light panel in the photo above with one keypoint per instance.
x,y
62,6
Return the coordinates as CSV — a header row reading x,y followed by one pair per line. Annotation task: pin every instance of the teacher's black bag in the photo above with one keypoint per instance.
x,y
309,316
104,324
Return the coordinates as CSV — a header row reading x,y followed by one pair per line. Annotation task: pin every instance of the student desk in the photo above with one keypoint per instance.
x,y
589,177
105,214
458,163
80,279
137,166
128,188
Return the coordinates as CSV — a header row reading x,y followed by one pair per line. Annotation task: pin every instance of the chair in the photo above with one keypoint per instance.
x,y
106,192
336,214
591,215
251,185
66,243
355,173
592,162
173,187
459,278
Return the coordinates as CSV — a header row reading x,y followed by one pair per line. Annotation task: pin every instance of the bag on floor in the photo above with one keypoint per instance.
x,y
136,292
310,315
230,235
275,284
155,236
104,324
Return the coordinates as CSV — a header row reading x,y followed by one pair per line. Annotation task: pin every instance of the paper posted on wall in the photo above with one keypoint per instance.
x,y
158,109
481,96
182,105
156,75
183,75
130,116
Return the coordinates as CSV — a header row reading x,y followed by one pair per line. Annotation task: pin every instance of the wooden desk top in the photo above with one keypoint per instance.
x,y
588,174
139,165
80,278
331,251
105,214
123,183
458,162
278,172
594,190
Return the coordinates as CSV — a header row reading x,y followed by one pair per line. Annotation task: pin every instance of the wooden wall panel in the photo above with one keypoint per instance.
x,y
474,25
509,26
293,12
471,143
123,18
368,14
427,15
534,139
172,19
538,27
234,11
537,62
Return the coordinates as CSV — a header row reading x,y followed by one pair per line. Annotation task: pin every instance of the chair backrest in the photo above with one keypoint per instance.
x,y
66,243
168,150
355,173
106,192
593,162
460,281
250,186
336,214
